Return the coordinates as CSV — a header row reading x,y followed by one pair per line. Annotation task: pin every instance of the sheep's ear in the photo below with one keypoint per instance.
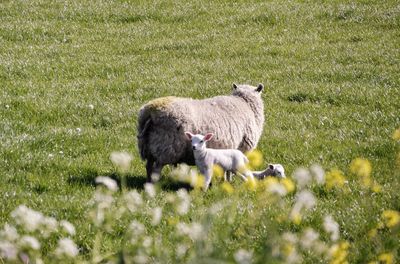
x,y
260,87
208,136
189,135
271,166
234,86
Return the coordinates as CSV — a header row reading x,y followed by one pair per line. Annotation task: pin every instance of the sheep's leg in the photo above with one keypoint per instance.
x,y
156,175
246,175
149,169
241,176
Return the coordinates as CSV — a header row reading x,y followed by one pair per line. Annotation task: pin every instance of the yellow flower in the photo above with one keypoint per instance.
x,y
396,134
372,233
296,218
339,252
287,249
334,178
386,258
218,171
288,184
361,167
376,188
172,220
251,184
255,158
227,187
391,218
197,181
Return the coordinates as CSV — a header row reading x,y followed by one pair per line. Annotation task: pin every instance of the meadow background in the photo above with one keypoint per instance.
x,y
73,75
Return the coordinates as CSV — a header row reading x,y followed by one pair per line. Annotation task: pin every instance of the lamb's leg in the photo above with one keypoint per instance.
x,y
228,176
208,176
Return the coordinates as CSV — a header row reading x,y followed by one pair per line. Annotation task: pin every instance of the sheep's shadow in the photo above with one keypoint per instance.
x,y
88,177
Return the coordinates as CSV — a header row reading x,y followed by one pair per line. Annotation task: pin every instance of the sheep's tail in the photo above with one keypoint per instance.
x,y
144,125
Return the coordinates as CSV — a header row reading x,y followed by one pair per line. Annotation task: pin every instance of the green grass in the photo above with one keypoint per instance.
x,y
331,71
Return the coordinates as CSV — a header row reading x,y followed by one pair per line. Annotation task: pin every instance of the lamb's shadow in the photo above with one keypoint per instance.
x,y
88,177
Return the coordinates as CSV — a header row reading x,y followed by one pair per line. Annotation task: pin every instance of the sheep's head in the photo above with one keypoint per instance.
x,y
198,141
247,89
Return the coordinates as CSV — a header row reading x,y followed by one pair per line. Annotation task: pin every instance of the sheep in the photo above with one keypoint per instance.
x,y
231,160
276,170
236,120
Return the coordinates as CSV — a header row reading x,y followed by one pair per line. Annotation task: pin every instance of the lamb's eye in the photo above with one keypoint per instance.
x,y
201,141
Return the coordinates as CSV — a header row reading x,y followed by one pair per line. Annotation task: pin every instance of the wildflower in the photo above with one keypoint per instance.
x,y
8,250
197,181
296,218
107,182
251,184
334,178
331,227
391,218
255,158
181,250
49,225
29,242
318,173
27,218
150,190
156,216
121,160
9,233
386,258
68,227
302,177
304,200
184,202
288,184
137,229
396,134
362,168
243,256
308,238
66,248
147,241
91,107
372,233
78,130
133,200
218,171
227,187
194,230
277,188
338,253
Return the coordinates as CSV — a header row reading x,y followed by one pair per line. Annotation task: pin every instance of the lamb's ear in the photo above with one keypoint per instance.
x,y
189,135
271,166
208,136
234,86
260,87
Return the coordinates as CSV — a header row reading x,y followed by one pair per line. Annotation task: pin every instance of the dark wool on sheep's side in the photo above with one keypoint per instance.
x,y
236,120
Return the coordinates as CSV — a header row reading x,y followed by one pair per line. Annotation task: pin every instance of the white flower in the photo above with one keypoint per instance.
x,y
78,130
331,227
27,218
91,107
29,242
156,216
277,188
68,227
194,230
121,160
107,182
8,250
150,190
308,238
302,177
243,256
133,200
183,206
181,250
290,237
147,242
49,225
66,247
137,228
318,173
304,200
140,259
9,233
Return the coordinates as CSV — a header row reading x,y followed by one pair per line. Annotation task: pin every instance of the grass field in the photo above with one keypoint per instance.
x,y
73,75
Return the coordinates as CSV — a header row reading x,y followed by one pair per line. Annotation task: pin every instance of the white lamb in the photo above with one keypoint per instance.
x,y
230,160
275,170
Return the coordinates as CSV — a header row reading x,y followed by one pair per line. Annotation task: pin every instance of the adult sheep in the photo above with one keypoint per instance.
x,y
236,121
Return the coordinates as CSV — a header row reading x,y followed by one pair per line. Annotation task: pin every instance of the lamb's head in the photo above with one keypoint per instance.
x,y
247,89
276,170
198,140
